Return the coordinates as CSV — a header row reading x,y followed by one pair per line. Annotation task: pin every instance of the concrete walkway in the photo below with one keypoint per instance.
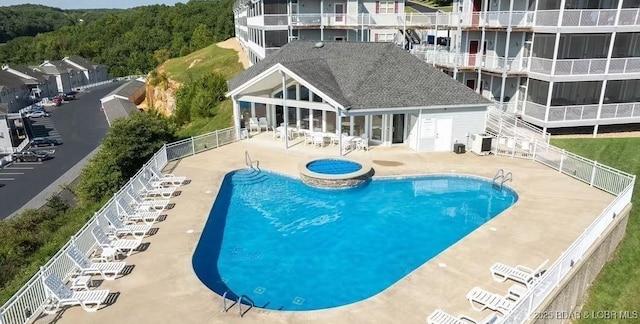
x,y
552,211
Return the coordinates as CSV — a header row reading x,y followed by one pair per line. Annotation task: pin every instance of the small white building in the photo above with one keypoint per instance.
x,y
374,90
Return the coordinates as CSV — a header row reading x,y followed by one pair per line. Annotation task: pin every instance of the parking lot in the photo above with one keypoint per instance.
x,y
78,124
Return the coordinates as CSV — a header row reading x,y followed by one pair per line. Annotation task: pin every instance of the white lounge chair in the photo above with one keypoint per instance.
x,y
441,317
263,122
148,191
502,272
123,246
478,296
161,179
140,203
318,140
119,227
130,214
254,124
60,296
108,270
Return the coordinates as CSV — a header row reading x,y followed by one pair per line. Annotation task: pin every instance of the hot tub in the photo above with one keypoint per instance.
x,y
334,173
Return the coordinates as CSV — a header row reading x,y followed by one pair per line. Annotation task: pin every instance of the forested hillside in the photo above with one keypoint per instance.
x,y
30,20
133,41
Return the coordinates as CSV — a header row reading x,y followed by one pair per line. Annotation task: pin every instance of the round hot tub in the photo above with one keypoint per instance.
x,y
334,173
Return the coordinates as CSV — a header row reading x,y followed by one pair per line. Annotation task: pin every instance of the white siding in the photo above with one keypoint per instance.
x,y
465,121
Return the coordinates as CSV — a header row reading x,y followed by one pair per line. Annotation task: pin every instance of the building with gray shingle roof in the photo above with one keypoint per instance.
x,y
380,92
118,108
122,101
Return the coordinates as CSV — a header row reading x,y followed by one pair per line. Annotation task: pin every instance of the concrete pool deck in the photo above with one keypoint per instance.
x,y
552,211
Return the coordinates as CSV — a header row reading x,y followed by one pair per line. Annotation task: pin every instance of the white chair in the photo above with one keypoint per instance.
x,y
59,295
123,246
121,228
362,144
128,213
308,138
334,139
254,124
145,204
108,270
488,300
502,272
168,179
148,191
318,140
263,122
347,144
441,317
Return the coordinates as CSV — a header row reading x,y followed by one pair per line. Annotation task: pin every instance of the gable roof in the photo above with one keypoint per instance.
x,y
32,72
83,62
10,80
55,67
364,75
118,108
127,90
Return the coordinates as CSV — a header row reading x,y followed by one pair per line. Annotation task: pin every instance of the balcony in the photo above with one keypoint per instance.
x,y
588,18
595,66
500,64
463,60
583,112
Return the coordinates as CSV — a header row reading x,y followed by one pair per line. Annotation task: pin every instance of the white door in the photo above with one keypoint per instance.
x,y
444,132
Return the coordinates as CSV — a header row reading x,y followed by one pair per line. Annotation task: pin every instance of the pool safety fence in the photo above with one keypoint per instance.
x,y
613,181
29,300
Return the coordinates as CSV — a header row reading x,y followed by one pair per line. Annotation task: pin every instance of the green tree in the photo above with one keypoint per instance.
x,y
129,144
201,38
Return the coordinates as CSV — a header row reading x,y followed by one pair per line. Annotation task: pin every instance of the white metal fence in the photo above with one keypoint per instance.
x,y
28,301
125,78
597,175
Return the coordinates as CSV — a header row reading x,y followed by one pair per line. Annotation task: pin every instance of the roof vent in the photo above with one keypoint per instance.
x,y
318,45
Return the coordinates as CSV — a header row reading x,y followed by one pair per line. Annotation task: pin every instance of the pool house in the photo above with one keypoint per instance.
x,y
373,91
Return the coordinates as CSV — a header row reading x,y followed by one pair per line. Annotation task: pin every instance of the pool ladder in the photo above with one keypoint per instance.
x,y
500,178
249,162
238,301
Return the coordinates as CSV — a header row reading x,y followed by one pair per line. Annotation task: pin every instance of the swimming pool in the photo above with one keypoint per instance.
x,y
287,246
333,166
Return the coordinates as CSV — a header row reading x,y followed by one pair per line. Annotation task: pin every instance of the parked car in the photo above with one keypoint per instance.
x,y
53,102
43,141
30,156
37,114
68,96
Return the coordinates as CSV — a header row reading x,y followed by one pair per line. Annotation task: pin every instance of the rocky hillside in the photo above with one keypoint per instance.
x,y
225,57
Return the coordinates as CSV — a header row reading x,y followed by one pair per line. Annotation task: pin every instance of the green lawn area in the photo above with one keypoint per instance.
x,y
222,119
209,59
617,287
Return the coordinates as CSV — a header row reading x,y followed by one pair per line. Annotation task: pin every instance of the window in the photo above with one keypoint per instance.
x,y
385,37
387,7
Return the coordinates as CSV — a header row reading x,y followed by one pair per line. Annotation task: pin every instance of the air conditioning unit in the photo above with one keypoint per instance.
x,y
481,144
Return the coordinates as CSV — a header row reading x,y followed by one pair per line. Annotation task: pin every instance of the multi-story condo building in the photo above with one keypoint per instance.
x,y
556,63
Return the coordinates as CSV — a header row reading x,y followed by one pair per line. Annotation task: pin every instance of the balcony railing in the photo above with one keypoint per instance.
x,y
499,63
586,66
493,19
588,17
462,60
583,112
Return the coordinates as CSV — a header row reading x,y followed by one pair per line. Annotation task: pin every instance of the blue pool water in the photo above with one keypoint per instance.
x,y
333,166
288,246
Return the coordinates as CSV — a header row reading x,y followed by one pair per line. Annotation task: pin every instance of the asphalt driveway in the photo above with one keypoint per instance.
x,y
79,125
420,7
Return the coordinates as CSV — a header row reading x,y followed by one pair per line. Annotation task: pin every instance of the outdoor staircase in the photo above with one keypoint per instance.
x,y
500,123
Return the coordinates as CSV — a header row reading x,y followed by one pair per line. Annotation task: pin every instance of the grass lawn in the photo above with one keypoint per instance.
x,y
617,287
209,59
222,119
